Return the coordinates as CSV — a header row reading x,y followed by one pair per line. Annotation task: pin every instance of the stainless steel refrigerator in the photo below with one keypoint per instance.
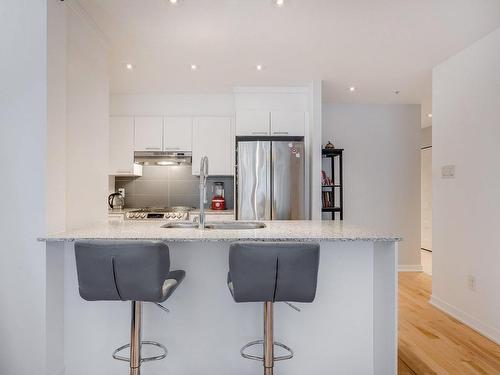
x,y
270,179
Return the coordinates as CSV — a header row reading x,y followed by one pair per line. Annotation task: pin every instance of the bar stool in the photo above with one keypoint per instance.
x,y
136,271
271,272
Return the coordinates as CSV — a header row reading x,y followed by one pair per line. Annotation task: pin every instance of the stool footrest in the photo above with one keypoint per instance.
x,y
261,342
145,359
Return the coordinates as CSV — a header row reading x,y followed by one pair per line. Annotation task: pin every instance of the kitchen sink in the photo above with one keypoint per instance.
x,y
180,224
236,225
224,225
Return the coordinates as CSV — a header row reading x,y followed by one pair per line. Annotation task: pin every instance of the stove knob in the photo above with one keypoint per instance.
x,y
143,215
167,215
178,215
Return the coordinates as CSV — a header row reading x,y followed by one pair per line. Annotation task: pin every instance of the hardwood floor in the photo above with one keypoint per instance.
x,y
432,342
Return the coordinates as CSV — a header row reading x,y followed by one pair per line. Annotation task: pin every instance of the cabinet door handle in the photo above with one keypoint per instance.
x,y
152,148
280,132
257,133
172,148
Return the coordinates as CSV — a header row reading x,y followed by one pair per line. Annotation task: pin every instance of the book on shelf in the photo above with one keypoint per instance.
x,y
327,199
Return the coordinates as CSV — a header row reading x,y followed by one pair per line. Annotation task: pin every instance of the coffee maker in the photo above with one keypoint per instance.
x,y
218,201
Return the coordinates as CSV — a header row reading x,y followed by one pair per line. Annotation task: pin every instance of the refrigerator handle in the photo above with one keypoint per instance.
x,y
271,182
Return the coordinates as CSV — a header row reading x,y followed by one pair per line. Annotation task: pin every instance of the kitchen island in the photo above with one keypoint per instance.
x,y
350,328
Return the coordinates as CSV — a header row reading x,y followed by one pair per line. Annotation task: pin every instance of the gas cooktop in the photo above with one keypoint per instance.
x,y
160,213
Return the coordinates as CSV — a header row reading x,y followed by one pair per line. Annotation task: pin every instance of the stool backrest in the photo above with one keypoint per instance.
x,y
274,271
121,270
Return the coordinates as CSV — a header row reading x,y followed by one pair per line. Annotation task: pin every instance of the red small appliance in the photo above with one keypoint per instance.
x,y
218,201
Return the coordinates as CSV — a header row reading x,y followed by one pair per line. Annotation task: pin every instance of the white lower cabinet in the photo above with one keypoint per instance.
x,y
121,147
213,137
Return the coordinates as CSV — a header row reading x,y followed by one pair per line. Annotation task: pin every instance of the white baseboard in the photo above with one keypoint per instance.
x,y
484,329
410,268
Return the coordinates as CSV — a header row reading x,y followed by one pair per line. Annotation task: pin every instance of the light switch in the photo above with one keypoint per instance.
x,y
448,171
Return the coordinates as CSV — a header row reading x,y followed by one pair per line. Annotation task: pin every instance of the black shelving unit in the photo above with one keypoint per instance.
x,y
338,180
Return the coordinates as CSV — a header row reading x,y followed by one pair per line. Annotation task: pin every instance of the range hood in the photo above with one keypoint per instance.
x,y
162,158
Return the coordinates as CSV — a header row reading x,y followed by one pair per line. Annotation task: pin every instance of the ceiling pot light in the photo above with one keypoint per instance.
x,y
259,67
279,3
429,115
352,88
129,66
194,67
173,2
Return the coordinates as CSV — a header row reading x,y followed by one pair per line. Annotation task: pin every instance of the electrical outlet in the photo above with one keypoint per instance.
x,y
448,171
471,283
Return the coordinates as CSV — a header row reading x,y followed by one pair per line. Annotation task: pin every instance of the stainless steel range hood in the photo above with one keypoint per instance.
x,y
162,158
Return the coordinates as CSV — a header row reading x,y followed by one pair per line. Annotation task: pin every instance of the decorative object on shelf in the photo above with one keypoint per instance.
x,y
329,146
326,180
333,188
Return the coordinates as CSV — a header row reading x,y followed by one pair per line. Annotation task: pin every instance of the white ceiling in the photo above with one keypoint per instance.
x,y
379,46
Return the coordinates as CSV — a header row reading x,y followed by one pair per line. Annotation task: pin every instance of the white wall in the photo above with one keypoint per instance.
x,y
426,198
381,169
466,209
23,124
56,116
426,136
87,128
172,104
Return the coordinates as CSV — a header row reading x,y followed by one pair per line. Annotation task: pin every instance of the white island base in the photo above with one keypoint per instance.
x,y
350,329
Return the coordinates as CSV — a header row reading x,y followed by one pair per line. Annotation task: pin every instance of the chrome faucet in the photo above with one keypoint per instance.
x,y
203,190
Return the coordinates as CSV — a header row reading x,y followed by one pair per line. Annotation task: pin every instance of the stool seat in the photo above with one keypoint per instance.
x,y
125,271
174,278
273,271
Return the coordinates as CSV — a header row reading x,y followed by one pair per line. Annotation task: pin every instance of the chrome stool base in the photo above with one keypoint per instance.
x,y
145,359
136,343
267,343
261,342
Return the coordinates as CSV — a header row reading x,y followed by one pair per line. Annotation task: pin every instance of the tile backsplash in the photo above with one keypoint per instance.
x,y
162,186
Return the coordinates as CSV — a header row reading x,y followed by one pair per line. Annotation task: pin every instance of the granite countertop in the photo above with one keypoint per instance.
x,y
299,230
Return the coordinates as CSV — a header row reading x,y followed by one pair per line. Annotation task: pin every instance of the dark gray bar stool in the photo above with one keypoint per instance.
x,y
136,271
272,272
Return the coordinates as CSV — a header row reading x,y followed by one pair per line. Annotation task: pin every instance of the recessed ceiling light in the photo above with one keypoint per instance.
x,y
280,3
397,92
352,88
194,67
429,115
174,2
259,67
129,66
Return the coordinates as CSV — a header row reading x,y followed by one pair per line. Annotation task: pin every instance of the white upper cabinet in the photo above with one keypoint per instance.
x,y
256,123
148,133
121,147
177,134
213,137
288,123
